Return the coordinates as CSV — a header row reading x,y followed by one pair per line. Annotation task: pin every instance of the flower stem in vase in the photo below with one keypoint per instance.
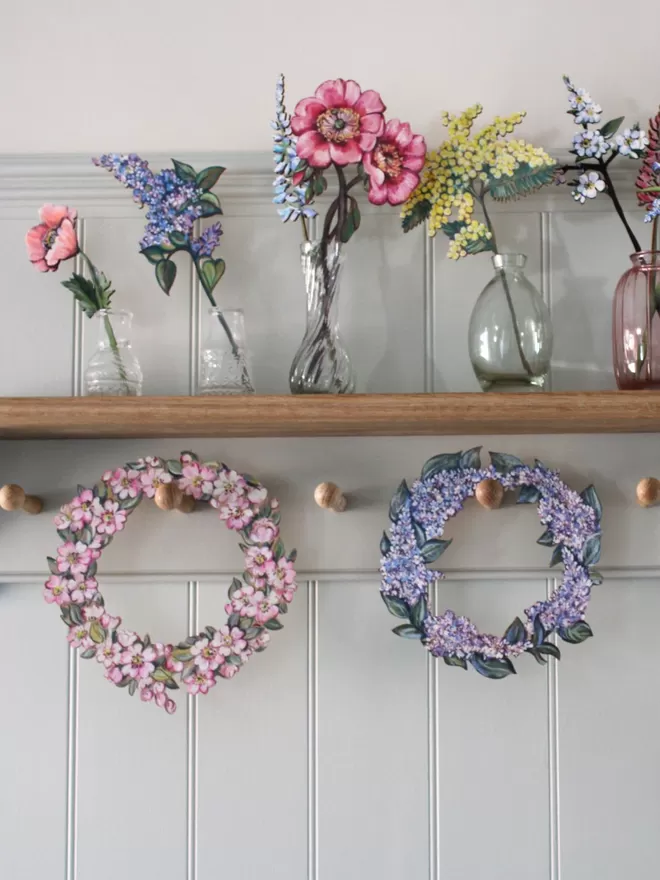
x,y
112,339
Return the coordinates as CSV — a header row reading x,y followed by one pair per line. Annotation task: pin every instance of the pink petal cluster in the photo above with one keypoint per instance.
x,y
394,164
124,483
53,239
339,124
153,478
197,479
75,558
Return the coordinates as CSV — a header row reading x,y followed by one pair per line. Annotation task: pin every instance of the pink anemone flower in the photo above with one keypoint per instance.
x,y
393,164
339,124
54,239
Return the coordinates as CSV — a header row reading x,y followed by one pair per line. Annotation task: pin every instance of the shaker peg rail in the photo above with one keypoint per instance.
x,y
489,493
648,492
330,497
170,497
13,497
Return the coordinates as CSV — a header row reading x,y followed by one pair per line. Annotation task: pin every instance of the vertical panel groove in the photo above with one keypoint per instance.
x,y
312,731
429,310
546,272
553,757
77,344
71,855
191,748
433,757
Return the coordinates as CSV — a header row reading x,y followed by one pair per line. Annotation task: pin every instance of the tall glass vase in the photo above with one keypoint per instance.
x,y
510,335
322,364
113,368
636,324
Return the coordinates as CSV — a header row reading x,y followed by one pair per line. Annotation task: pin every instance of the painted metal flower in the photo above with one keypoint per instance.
x,y
54,239
419,516
339,124
588,186
632,142
256,603
590,144
394,164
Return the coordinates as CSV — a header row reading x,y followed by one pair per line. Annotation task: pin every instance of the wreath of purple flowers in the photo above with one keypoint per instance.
x,y
90,521
418,517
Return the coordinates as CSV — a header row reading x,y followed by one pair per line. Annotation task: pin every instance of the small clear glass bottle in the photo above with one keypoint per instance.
x,y
510,335
224,360
113,368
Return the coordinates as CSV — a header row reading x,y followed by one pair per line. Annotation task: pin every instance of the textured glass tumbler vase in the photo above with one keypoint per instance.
x,y
322,364
224,361
510,335
113,369
636,324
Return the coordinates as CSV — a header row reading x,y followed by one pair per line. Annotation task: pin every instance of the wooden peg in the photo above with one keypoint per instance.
x,y
648,492
12,497
489,493
170,497
330,497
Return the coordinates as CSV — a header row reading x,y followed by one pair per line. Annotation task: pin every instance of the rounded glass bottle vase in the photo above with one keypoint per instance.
x,y
224,366
636,324
322,364
113,368
510,334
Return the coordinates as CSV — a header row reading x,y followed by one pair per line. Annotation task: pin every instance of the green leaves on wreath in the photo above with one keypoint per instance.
x,y
529,495
456,661
590,497
491,667
385,545
397,607
515,632
504,463
399,500
578,632
451,461
89,295
433,549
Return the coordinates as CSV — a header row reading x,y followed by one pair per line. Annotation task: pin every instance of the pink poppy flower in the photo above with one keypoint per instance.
x,y
197,479
263,607
201,682
227,488
393,164
83,588
82,510
57,590
230,641
206,654
75,558
228,670
108,653
111,518
137,660
241,601
64,519
338,124
152,479
257,559
54,239
238,514
263,531
79,637
124,484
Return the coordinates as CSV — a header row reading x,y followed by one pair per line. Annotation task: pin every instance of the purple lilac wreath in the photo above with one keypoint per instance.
x,y
88,523
418,516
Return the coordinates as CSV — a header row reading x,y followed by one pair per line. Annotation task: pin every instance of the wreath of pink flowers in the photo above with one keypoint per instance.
x,y
90,521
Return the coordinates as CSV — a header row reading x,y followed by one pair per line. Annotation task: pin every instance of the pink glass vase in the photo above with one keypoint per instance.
x,y
636,324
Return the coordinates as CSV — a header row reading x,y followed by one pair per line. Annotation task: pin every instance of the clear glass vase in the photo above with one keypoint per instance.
x,y
636,324
113,368
224,360
510,335
322,364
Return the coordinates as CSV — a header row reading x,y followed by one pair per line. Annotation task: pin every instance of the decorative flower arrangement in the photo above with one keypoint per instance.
x,y
595,147
648,179
341,126
465,170
419,514
175,200
88,523
53,241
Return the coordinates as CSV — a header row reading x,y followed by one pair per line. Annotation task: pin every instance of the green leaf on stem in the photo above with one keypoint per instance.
x,y
208,178
525,180
184,171
473,247
210,272
210,204
419,214
351,222
178,239
154,253
610,128
165,275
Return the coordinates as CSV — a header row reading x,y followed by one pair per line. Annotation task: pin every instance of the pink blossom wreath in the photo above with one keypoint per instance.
x,y
89,522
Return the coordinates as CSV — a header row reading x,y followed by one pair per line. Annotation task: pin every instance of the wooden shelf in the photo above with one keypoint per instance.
x,y
363,415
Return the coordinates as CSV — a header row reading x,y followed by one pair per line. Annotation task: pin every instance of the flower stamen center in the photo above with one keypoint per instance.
x,y
339,124
388,159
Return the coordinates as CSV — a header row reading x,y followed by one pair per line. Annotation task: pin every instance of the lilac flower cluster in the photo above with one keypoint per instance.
x,y
571,523
173,204
207,241
288,173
